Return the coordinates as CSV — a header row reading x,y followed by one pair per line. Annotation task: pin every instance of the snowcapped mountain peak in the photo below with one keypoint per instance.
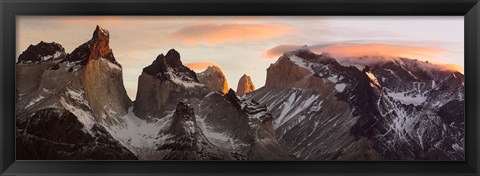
x,y
166,80
170,66
395,103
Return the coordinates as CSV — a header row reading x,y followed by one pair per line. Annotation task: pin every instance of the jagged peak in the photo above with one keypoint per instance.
x,y
232,96
173,58
100,34
183,119
96,48
42,51
172,65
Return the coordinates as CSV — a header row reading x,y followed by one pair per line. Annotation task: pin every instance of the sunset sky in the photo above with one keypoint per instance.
x,y
248,45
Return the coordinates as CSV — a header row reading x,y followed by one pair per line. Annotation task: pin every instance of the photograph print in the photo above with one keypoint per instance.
x,y
270,88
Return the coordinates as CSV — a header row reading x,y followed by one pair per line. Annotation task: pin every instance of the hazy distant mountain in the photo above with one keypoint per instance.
x,y
214,79
399,109
245,85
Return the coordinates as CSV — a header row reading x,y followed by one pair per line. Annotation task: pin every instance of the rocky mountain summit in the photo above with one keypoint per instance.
x,y
221,125
42,52
185,140
165,81
392,110
214,79
59,112
245,85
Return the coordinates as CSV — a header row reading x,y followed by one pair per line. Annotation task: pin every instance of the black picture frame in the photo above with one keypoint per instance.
x,y
9,9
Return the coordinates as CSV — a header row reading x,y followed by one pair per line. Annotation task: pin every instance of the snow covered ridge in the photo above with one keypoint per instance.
x,y
182,79
301,62
57,55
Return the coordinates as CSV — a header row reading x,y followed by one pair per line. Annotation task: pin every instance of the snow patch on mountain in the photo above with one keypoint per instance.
x,y
85,117
56,55
406,98
77,95
340,87
35,101
138,135
182,80
301,62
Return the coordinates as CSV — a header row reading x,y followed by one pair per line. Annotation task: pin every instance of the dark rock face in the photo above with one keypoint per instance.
x,y
222,126
95,48
172,60
240,126
186,141
396,110
56,134
42,52
165,81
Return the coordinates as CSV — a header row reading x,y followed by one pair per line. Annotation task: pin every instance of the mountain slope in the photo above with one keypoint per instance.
x,y
220,122
162,84
84,89
184,140
393,110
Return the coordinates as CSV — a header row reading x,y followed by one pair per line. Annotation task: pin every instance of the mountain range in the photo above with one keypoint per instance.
x,y
73,106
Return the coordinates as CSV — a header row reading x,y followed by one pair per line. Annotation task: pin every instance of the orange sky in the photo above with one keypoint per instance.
x,y
199,66
216,34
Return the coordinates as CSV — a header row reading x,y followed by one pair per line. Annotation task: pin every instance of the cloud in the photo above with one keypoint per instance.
x,y
214,33
360,50
199,66
361,54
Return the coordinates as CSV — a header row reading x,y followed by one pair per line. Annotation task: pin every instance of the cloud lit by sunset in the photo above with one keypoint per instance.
x,y
350,54
213,33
